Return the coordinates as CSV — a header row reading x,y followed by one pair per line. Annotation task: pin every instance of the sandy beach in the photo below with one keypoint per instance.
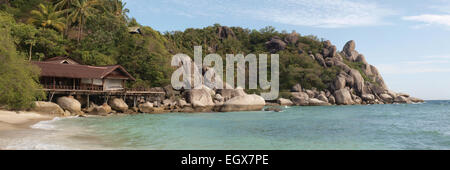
x,y
23,120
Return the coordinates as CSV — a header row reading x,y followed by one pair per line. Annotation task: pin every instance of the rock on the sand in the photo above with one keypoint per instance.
x,y
146,107
48,108
118,104
70,104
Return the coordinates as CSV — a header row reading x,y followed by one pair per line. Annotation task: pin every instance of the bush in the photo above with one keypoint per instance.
x,y
19,85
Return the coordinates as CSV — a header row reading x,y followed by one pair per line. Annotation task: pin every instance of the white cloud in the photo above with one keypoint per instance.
x,y
317,13
430,19
428,64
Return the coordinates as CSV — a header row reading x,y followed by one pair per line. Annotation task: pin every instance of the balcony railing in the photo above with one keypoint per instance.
x,y
91,88
66,87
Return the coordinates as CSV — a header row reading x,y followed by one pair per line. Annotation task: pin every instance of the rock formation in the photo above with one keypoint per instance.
x,y
118,104
275,45
48,108
244,103
70,104
358,83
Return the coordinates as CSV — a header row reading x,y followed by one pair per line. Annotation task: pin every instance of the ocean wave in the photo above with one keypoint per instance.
x,y
49,124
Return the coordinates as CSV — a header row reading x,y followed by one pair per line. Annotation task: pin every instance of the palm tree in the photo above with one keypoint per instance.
x,y
82,9
47,17
117,8
65,5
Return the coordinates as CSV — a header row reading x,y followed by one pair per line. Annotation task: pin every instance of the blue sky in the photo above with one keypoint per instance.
x,y
408,40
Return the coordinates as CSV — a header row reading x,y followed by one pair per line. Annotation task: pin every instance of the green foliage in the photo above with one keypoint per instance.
x,y
47,17
359,66
19,80
96,33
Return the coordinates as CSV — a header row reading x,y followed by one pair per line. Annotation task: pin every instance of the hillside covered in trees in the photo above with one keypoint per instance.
x,y
96,32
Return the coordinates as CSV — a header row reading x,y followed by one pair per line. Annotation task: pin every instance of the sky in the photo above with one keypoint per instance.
x,y
407,40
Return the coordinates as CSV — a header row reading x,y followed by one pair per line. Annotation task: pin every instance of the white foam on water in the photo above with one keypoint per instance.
x,y
49,124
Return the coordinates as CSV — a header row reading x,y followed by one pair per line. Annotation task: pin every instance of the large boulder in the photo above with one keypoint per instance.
x,y
329,49
70,104
231,93
323,97
416,100
387,98
48,108
340,82
317,102
292,38
244,103
332,100
343,97
402,99
358,81
320,60
275,45
102,110
118,104
285,102
300,98
368,97
296,88
225,32
146,107
349,51
182,103
200,98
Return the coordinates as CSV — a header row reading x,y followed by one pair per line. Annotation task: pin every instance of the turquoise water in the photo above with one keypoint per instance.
x,y
413,126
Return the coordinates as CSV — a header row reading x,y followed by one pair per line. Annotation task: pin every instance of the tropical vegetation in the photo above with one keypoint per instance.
x,y
96,32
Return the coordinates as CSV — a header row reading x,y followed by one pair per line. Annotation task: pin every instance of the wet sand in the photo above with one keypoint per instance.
x,y
22,120
14,121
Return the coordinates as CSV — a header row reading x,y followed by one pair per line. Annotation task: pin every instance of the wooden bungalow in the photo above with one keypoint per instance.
x,y
67,74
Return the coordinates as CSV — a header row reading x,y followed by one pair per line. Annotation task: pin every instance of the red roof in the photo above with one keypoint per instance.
x,y
79,71
61,59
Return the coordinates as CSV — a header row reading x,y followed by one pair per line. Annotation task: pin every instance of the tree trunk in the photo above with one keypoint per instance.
x,y
31,49
80,29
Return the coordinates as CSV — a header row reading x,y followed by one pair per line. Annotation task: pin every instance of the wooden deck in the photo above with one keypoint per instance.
x,y
100,91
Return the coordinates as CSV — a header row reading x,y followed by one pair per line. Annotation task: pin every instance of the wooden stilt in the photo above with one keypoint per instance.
x,y
88,103
51,96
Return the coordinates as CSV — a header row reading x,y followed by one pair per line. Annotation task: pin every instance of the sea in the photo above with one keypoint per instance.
x,y
424,126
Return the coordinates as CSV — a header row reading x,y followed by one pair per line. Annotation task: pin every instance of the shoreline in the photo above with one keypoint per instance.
x,y
10,120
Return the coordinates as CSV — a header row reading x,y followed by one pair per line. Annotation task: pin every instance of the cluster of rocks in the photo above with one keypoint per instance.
x,y
349,87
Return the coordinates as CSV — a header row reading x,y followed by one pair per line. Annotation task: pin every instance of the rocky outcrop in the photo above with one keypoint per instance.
x,y
292,38
48,108
349,51
231,93
284,102
296,88
358,83
402,99
146,107
201,99
225,32
343,97
300,98
244,103
70,104
317,102
275,45
329,50
103,110
118,104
